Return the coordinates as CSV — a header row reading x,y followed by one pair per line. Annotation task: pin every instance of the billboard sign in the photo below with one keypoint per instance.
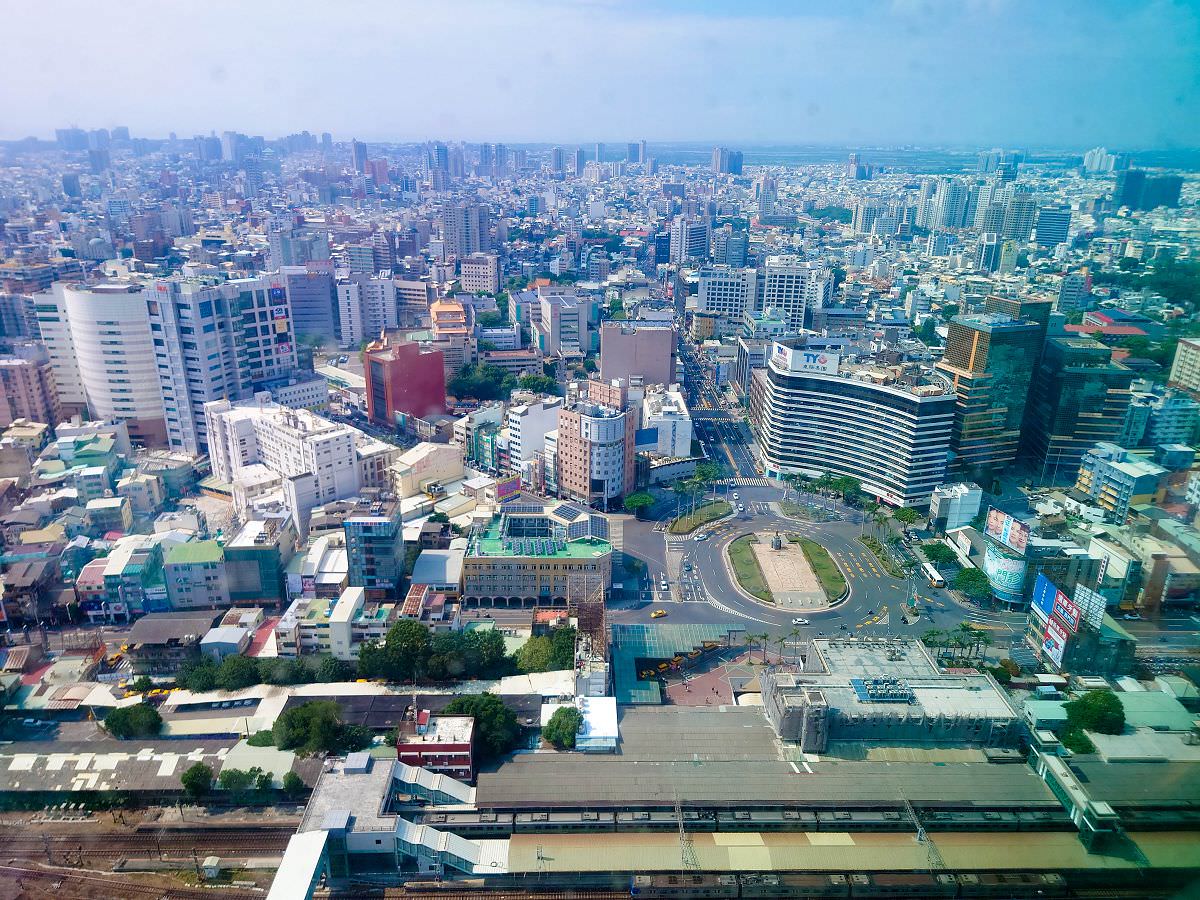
x,y
1043,598
801,359
1054,642
507,487
1002,527
1005,572
1092,604
1067,611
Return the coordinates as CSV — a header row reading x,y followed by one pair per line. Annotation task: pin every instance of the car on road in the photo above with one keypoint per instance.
x,y
1131,617
702,536
658,614
798,621
741,508
736,496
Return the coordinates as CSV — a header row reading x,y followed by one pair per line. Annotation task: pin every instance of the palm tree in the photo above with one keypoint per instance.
x,y
869,510
968,635
934,638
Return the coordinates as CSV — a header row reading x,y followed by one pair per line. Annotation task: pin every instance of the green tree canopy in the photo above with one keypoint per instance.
x,y
141,684
563,727
293,785
1099,711
973,583
197,781
237,672
638,502
496,726
938,553
331,669
539,384
481,382
906,515
317,727
199,674
138,721
548,653
402,655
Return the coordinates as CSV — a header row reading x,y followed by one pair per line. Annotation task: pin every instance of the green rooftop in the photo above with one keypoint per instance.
x,y
490,541
194,553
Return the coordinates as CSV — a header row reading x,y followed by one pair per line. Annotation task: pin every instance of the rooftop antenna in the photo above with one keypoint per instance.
x,y
687,851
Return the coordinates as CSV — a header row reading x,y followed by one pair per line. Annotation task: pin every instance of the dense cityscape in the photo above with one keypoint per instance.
x,y
660,518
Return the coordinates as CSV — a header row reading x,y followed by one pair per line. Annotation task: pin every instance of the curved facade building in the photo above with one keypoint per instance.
x,y
887,427
102,352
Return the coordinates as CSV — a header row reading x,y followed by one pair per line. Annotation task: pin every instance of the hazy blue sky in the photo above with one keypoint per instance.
x,y
1055,73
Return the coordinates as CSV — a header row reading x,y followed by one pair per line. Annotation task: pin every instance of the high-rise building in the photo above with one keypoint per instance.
x,y
1077,398
990,360
312,295
198,354
1185,369
103,355
480,273
865,214
888,429
1075,292
689,240
580,162
643,156
1053,225
631,152
375,547
27,388
557,165
793,288
599,152
1129,187
366,306
358,153
595,453
1162,191
728,293
1019,216
726,162
987,257
949,204
466,229
644,350
403,379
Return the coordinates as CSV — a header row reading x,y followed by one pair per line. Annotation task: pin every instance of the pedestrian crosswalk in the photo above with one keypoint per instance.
x,y
748,482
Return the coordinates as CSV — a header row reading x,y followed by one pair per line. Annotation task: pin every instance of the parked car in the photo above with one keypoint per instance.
x,y
658,614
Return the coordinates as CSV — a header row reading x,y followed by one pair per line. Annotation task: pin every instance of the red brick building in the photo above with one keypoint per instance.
x,y
403,378
439,743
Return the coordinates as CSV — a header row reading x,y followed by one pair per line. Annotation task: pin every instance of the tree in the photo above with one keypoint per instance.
x,y
496,726
141,684
293,785
548,653
317,727
906,516
938,553
638,503
237,672
140,720
489,320
562,728
330,669
403,655
236,781
1099,711
199,675
197,781
261,739
538,384
481,382
973,584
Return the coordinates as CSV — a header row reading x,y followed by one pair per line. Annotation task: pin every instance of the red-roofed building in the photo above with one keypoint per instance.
x,y
438,743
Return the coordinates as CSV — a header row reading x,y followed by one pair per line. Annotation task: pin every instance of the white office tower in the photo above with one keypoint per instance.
x,y
102,354
888,427
689,240
793,288
366,306
865,214
727,293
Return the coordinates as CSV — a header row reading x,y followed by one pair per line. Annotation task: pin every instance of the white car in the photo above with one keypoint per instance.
x,y
799,621
703,536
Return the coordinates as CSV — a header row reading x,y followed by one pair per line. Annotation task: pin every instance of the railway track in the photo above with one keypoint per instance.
x,y
66,885
91,844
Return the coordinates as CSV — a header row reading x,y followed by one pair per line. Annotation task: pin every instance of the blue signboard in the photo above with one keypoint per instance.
x,y
1044,593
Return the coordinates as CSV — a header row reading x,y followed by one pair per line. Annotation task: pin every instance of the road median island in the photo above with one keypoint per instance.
x,y
746,569
709,512
833,582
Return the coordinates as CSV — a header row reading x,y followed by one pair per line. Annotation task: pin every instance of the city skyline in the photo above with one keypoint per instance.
x,y
974,74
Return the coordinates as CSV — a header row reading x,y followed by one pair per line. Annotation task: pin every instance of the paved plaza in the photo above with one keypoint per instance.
x,y
789,576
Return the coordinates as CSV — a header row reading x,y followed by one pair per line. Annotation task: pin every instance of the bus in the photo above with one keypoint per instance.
x,y
935,577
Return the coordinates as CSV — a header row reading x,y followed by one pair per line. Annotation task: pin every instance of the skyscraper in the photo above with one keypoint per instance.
x,y
1128,190
1077,398
726,162
792,288
556,160
599,152
580,162
1019,216
990,360
1053,225
466,228
631,152
358,151
689,240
